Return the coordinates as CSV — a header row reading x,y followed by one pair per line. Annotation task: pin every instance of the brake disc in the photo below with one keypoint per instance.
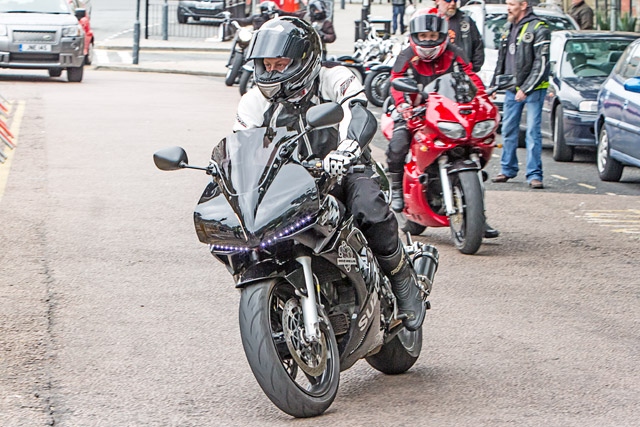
x,y
311,357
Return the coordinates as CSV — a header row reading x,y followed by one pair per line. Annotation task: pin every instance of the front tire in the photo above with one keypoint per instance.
x,y
302,383
467,224
236,66
609,169
376,87
246,81
398,355
74,75
561,151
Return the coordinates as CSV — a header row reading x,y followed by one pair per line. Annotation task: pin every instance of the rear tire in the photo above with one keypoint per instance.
x,y
398,355
182,18
467,224
561,151
266,309
609,169
88,58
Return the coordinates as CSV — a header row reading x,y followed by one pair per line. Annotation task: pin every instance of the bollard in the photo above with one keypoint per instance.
x,y
136,35
165,21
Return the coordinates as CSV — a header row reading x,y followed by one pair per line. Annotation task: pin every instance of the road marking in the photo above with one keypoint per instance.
x,y
560,177
590,187
102,56
15,130
125,56
618,221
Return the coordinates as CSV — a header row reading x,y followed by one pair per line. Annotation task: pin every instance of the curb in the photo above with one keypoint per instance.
x,y
142,69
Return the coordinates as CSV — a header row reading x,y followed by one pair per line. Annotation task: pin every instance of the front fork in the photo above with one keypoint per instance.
x,y
309,303
447,192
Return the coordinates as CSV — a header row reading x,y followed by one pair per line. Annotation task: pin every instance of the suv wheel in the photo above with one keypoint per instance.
x,y
74,75
55,72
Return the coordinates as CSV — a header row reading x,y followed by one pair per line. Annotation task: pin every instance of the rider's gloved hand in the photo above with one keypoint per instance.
x,y
403,111
338,161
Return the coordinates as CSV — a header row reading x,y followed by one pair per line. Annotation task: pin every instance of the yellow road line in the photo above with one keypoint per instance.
x,y
560,177
590,187
15,130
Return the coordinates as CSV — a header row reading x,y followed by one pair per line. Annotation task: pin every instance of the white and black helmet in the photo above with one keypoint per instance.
x,y
286,37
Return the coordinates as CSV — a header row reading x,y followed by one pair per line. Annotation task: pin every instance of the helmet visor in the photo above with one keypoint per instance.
x,y
425,23
277,43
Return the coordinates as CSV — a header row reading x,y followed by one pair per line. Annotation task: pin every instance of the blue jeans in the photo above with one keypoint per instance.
x,y
511,113
398,18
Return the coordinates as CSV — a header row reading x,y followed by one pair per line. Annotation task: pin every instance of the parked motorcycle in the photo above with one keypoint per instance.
x,y
236,60
313,299
376,84
246,77
453,127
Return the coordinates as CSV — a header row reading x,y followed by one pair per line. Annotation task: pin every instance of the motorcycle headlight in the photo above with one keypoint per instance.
x,y
71,31
452,130
483,128
588,106
244,35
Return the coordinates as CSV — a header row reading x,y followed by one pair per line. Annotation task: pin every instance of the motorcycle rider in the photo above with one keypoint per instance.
x,y
429,56
289,80
321,23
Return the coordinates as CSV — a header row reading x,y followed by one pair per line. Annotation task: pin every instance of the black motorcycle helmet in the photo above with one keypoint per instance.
x,y
317,10
268,8
286,37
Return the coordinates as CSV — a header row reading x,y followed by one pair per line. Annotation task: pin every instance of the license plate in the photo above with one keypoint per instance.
x,y
35,47
206,5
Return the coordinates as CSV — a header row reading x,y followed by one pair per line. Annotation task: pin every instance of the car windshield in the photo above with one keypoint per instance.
x,y
591,58
496,21
34,6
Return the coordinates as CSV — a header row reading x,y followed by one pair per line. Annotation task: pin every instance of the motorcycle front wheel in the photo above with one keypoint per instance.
x,y
467,223
236,66
246,81
376,87
300,378
398,355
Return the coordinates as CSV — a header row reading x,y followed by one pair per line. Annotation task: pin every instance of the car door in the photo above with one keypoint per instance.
x,y
613,96
558,42
627,140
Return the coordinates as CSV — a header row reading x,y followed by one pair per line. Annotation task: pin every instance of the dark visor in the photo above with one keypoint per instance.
x,y
272,43
424,23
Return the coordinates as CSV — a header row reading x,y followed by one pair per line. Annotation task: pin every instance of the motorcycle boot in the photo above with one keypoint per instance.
x,y
397,198
404,283
490,232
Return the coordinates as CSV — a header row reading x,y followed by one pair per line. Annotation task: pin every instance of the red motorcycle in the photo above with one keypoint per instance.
x,y
453,127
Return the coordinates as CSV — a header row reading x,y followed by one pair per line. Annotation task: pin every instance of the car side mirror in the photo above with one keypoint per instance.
x,y
632,84
325,115
81,13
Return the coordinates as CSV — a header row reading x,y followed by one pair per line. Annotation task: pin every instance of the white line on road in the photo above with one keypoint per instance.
x,y
590,187
560,177
102,56
126,57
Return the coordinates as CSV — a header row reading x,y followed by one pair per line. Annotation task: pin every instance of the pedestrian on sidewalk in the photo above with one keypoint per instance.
x,y
523,53
398,15
582,13
322,24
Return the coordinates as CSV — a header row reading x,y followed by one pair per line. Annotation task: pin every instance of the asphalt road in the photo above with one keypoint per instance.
x,y
113,314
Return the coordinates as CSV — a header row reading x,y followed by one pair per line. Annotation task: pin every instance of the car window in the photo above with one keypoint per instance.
x,y
630,66
591,58
46,6
495,23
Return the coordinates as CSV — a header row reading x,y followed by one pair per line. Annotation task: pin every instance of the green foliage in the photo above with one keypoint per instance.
x,y
625,23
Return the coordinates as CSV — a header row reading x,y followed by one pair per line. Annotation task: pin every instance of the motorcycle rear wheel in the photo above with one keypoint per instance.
x,y
467,224
263,319
376,87
398,355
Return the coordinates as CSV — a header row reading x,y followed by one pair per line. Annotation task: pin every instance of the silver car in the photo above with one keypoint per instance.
x,y
42,34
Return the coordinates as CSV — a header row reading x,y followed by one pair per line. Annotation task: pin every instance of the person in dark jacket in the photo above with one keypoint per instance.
x,y
321,23
397,18
582,13
523,53
463,32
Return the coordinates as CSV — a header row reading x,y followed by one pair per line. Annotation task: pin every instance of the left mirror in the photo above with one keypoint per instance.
x,y
170,159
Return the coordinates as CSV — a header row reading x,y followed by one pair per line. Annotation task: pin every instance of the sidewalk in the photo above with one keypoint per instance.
x,y
344,23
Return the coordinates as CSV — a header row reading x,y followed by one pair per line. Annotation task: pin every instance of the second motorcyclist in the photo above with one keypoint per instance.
x,y
428,57
289,80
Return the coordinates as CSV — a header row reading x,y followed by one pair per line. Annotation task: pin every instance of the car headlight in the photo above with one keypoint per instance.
x,y
452,130
588,106
71,31
3,30
244,35
483,128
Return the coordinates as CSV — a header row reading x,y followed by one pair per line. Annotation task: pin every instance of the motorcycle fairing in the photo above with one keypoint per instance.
x,y
262,196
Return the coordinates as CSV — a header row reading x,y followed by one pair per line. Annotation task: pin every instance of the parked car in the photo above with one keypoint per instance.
x,y
491,19
618,120
42,34
211,9
85,22
580,63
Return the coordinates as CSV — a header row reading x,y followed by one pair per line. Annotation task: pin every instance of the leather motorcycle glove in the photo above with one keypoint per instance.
x,y
338,161
402,111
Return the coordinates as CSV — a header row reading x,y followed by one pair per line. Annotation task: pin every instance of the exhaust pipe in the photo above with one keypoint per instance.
x,y
425,263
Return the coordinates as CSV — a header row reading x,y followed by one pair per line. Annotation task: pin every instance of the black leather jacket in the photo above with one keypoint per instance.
x,y
468,38
532,53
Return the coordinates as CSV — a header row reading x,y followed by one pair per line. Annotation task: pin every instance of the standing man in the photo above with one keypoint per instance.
x,y
398,15
523,53
463,32
582,13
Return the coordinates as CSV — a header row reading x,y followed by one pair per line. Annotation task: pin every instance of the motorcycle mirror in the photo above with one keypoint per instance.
x,y
405,85
325,115
170,159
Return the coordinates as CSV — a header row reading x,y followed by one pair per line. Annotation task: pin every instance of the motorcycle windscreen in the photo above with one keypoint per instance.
x,y
269,196
456,86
